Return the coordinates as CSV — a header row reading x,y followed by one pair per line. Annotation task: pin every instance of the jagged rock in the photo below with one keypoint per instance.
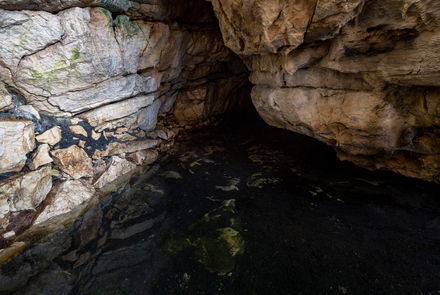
x,y
110,116
66,196
95,135
27,190
117,168
144,157
362,76
125,137
74,161
40,157
5,99
17,138
29,109
23,33
116,148
51,136
78,129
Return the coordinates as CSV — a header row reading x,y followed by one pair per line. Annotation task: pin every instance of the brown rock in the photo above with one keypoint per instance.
x,y
41,157
78,129
74,161
116,148
117,168
145,157
51,136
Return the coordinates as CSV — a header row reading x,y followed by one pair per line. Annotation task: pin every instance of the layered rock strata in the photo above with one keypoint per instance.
x,y
362,76
92,80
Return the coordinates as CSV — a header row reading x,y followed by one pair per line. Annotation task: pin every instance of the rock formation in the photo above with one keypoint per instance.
x,y
361,76
105,85
92,79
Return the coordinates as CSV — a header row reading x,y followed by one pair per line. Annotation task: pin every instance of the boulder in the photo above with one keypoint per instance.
x,y
74,161
17,138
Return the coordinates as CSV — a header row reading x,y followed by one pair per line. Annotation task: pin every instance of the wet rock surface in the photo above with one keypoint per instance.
x,y
309,225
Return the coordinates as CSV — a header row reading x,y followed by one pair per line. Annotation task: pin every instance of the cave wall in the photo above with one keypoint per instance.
x,y
361,76
93,91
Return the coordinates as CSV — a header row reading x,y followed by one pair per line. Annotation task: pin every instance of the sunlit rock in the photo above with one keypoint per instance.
x,y
17,138
74,161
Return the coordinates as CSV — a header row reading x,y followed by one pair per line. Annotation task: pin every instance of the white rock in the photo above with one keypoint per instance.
x,y
117,168
27,191
5,99
17,138
51,136
68,195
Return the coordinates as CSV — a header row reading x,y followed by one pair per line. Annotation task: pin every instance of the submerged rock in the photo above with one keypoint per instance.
x,y
215,240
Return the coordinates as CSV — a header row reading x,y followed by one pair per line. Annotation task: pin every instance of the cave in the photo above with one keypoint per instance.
x,y
219,147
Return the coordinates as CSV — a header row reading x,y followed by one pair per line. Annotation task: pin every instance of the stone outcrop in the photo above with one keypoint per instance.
x,y
67,196
362,76
74,161
17,138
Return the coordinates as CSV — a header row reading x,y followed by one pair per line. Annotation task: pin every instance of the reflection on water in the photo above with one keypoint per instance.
x,y
244,209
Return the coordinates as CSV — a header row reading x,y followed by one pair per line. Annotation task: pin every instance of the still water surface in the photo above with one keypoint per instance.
x,y
245,208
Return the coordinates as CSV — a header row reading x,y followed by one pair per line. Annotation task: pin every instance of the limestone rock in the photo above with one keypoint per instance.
x,y
144,157
67,196
26,191
23,33
362,76
78,129
51,136
117,168
41,157
17,138
5,99
109,113
29,109
116,148
125,137
74,161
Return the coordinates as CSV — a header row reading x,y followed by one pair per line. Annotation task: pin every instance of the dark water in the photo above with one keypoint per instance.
x,y
245,209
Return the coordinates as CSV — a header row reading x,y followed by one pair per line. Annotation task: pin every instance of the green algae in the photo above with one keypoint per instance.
x,y
215,240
